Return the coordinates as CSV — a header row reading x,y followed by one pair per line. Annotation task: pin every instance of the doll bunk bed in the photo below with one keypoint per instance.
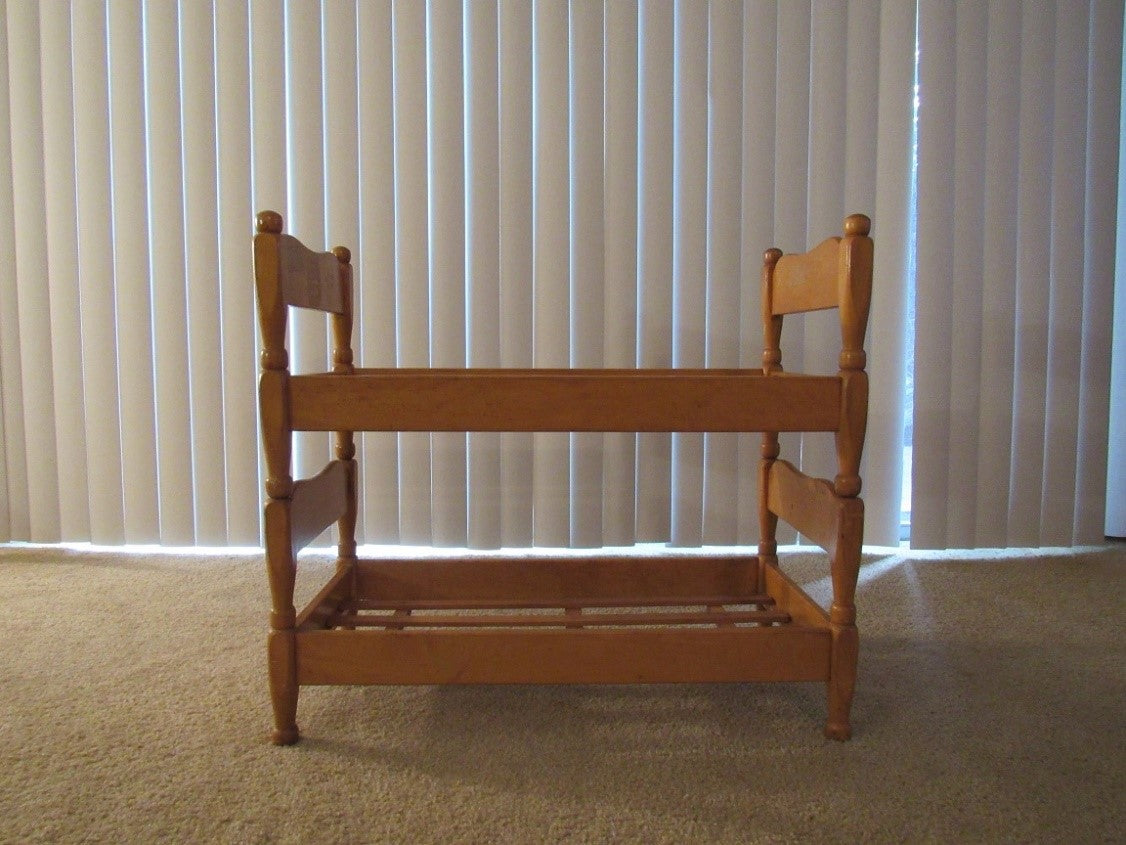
x,y
592,619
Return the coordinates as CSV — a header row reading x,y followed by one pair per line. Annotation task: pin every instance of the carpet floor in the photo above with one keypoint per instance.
x,y
990,707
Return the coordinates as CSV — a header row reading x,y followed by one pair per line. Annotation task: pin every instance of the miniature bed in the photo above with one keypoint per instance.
x,y
487,619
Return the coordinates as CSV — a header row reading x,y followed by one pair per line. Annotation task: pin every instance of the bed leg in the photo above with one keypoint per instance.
x,y
283,686
842,681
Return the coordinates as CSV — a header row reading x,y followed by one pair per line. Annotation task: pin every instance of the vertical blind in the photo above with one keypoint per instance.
x,y
1020,102
522,184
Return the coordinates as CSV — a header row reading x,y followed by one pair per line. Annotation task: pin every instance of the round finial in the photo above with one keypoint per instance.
x,y
772,255
269,222
857,225
343,254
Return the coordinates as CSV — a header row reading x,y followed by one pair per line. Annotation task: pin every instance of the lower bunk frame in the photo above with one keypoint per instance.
x,y
536,619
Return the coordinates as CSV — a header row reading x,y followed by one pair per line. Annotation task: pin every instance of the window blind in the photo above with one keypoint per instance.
x,y
522,184
1020,102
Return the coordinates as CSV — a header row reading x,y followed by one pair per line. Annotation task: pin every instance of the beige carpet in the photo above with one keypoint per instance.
x,y
991,707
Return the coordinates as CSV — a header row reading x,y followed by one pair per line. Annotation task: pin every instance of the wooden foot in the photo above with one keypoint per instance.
x,y
283,687
285,737
842,681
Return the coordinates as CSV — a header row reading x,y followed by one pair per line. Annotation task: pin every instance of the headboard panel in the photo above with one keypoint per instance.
x,y
289,273
805,281
837,273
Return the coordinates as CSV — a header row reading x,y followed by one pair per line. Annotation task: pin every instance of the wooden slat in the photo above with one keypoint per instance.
x,y
326,602
793,599
556,581
309,279
808,504
559,656
564,400
563,620
807,281
318,502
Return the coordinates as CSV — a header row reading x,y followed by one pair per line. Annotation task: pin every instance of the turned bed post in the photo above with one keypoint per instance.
x,y
277,436
345,440
771,363
854,277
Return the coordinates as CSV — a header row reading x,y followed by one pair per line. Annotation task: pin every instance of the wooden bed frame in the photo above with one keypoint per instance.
x,y
587,619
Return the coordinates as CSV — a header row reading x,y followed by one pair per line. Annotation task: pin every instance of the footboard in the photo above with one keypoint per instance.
x,y
571,619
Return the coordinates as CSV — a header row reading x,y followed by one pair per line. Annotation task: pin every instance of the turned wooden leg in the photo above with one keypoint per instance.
x,y
283,686
842,681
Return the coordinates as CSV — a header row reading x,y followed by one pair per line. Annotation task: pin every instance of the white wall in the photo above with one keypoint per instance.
x,y
1116,451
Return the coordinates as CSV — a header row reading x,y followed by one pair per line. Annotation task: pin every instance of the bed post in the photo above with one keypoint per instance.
x,y
345,442
277,436
771,363
854,276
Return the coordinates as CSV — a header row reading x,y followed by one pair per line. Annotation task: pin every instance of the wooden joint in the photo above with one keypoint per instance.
x,y
345,446
842,614
770,446
283,620
275,358
847,486
279,488
853,359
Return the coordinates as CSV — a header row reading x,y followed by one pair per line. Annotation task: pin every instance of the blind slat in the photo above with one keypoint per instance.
x,y
240,416
482,258
412,306
620,239
655,238
201,209
587,254
131,271
516,255
374,279
446,270
31,420
689,259
167,251
551,242
95,274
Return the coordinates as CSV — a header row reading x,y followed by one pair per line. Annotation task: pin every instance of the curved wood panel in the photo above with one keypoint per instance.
x,y
309,279
807,281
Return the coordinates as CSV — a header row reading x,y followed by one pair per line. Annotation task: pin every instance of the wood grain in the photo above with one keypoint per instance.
x,y
792,652
563,400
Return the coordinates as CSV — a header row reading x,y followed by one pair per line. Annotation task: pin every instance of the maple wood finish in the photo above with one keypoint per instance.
x,y
589,619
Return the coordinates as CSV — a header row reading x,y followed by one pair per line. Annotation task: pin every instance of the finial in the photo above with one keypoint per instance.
x,y
857,225
269,223
771,256
343,254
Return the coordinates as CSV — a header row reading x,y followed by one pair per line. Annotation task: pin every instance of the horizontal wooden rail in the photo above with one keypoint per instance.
x,y
808,504
558,581
563,400
560,656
